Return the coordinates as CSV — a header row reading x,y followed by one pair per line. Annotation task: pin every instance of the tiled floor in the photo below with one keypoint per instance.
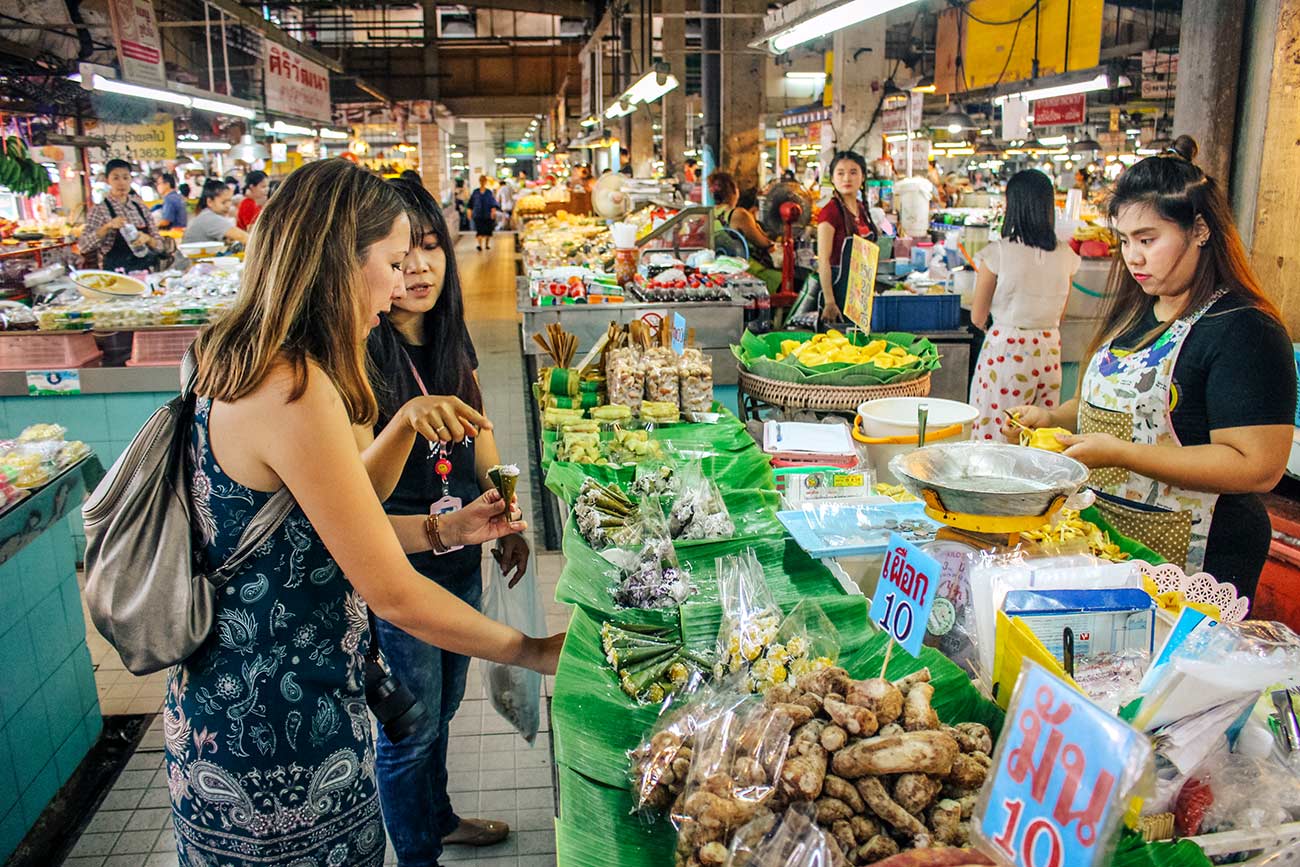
x,y
494,774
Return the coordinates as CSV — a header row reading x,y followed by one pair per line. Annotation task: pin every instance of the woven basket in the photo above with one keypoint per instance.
x,y
790,395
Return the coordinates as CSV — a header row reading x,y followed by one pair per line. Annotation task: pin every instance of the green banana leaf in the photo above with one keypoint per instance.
x,y
1135,549
596,828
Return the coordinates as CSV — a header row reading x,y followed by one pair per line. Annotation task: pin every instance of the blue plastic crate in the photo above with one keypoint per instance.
x,y
916,312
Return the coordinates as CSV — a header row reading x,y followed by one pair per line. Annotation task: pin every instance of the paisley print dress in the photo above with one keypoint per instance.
x,y
269,751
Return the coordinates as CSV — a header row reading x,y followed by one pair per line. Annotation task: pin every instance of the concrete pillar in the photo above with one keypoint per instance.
x,y
744,87
1209,66
858,74
429,54
1266,178
674,103
641,147
433,157
480,151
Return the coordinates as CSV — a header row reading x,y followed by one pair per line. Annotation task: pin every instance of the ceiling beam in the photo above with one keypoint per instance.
x,y
563,8
497,106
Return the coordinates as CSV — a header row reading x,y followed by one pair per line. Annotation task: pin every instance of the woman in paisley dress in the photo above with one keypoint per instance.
x,y
1188,394
270,759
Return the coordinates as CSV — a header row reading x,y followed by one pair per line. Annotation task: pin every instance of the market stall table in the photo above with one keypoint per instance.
x,y
49,708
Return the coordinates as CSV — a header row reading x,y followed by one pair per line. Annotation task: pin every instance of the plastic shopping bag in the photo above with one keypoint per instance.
x,y
515,693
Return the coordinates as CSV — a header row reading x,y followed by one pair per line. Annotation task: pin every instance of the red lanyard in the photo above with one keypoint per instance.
x,y
418,381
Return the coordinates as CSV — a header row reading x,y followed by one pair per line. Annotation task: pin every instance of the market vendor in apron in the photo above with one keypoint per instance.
x,y
107,226
1188,398
841,219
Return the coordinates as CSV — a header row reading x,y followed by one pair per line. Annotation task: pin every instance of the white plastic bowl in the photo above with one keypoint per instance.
x,y
888,427
195,249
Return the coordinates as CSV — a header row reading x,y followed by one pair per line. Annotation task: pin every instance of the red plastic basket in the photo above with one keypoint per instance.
x,y
47,351
160,348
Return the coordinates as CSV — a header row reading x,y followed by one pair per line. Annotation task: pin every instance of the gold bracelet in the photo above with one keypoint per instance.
x,y
435,538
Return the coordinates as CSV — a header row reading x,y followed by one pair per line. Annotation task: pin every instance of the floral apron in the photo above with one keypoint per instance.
x,y
1128,396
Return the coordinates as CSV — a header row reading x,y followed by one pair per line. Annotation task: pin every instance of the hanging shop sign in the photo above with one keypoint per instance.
x,y
139,48
1159,74
142,142
804,117
1061,110
295,85
902,112
521,149
975,47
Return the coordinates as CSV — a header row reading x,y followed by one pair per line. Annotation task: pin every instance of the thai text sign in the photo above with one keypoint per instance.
x,y
1061,778
142,142
139,48
858,297
909,583
295,85
1061,110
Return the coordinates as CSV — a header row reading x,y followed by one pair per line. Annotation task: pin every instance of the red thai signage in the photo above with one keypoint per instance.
x,y
1061,110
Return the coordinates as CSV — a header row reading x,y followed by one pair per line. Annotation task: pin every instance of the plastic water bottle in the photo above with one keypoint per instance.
x,y
135,241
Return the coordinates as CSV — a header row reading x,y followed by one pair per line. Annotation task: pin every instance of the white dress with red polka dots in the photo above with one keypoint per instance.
x,y
1017,367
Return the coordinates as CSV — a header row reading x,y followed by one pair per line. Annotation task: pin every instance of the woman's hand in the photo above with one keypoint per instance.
x,y
112,225
443,418
511,554
481,521
542,654
1032,417
1095,449
831,311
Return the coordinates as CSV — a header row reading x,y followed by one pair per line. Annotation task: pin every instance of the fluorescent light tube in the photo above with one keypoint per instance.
x,y
1053,140
1100,82
125,88
806,76
844,15
219,107
325,132
203,145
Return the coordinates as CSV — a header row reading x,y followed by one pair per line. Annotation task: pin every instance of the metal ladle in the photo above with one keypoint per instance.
x,y
922,415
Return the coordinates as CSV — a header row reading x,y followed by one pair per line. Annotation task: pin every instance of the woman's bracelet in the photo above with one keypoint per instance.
x,y
435,538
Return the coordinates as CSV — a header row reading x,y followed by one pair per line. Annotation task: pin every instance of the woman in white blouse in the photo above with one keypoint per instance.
x,y
1024,282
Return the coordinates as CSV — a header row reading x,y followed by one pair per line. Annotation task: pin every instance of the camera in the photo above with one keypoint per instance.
x,y
399,712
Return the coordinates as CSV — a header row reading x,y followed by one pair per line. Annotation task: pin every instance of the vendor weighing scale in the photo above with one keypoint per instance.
x,y
984,531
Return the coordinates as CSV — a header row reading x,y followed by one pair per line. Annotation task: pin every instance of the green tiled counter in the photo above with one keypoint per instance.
x,y
114,403
49,710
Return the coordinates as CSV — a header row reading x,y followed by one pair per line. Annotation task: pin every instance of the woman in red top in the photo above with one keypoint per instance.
x,y
257,187
844,216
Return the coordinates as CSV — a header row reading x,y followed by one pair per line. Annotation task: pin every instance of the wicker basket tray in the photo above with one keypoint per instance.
x,y
794,396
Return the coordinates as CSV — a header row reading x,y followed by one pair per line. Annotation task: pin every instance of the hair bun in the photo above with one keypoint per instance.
x,y
1185,146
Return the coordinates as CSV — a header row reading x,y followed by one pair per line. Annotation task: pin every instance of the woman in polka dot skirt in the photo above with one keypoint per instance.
x,y
1024,282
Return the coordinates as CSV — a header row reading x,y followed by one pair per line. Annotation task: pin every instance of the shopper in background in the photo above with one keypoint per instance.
x,y
268,744
172,213
257,187
625,161
119,221
212,222
483,210
422,348
1187,403
726,210
844,217
506,199
1024,281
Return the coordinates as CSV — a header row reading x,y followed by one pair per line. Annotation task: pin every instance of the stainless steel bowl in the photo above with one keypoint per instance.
x,y
988,478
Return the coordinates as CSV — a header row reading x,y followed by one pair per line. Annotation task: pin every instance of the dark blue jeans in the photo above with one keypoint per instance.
x,y
412,774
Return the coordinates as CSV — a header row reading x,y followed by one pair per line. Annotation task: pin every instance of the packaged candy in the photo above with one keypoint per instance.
x,y
695,381
661,381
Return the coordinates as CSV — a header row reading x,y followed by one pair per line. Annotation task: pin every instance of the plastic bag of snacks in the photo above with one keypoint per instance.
x,y
625,377
661,384
579,448
42,432
660,412
793,841
653,577
698,512
695,381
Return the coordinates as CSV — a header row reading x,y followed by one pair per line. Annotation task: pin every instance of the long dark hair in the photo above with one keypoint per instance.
x,y
863,209
444,324
1031,210
1176,189
211,189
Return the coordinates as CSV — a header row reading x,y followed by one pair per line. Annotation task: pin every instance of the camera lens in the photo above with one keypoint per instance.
x,y
399,712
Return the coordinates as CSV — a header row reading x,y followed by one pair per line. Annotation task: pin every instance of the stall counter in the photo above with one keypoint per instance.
x,y
112,405
49,708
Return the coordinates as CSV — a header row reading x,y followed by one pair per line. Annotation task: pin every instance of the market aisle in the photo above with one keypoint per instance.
x,y
494,774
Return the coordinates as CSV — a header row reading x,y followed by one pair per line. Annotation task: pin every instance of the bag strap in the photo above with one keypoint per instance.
x,y
189,372
267,520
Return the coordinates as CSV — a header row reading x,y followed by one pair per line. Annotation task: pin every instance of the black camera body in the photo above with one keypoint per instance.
x,y
399,712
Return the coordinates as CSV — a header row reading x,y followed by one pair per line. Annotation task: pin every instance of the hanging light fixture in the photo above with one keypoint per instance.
x,y
1087,144
924,84
248,150
987,147
954,120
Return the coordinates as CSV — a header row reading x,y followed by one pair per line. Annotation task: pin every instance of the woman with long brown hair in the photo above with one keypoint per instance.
x,y
1185,409
269,752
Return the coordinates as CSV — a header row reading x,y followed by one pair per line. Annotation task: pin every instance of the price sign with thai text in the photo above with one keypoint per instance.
x,y
860,294
1062,778
679,333
909,583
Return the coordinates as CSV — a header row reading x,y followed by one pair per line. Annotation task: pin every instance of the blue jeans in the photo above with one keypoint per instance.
x,y
412,774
